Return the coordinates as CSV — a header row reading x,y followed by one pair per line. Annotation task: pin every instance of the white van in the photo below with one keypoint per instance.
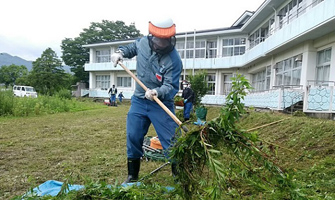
x,y
24,91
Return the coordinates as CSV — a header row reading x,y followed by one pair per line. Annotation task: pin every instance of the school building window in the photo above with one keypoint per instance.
x,y
211,83
288,72
323,65
233,47
261,80
199,50
102,81
211,49
123,82
291,11
227,83
103,56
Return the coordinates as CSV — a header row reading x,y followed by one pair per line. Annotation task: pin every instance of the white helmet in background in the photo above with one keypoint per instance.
x,y
162,35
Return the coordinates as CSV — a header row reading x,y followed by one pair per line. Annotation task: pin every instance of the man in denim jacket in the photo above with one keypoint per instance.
x,y
158,67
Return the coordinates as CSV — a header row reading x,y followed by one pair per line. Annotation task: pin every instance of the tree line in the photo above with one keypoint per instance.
x,y
47,74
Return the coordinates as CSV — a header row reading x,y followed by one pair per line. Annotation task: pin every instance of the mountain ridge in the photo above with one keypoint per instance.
x,y
7,59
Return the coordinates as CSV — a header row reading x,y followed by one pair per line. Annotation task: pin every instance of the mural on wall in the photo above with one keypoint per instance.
x,y
291,96
267,99
319,98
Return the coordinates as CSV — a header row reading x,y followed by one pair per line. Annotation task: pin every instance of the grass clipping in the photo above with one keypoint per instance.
x,y
220,159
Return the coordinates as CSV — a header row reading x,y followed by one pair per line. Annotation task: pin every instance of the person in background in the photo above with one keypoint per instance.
x,y
188,96
120,96
158,67
112,92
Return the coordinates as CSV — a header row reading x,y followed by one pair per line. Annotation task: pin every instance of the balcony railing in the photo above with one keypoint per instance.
x,y
320,83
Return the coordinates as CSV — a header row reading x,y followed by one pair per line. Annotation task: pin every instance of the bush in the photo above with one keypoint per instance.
x,y
25,106
6,102
64,94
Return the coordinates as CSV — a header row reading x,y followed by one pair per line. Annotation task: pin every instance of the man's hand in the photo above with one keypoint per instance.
x,y
149,94
116,57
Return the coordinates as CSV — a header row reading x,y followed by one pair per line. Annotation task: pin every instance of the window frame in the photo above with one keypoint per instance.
x,y
103,55
323,63
211,49
261,80
199,50
102,81
211,83
233,46
285,69
123,81
227,83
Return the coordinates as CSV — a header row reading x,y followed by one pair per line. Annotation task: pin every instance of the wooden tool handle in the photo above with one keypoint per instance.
x,y
159,102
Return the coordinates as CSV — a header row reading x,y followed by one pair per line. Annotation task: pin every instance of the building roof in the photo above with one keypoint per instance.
x,y
245,24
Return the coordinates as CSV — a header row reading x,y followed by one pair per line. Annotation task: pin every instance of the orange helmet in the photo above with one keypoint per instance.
x,y
162,28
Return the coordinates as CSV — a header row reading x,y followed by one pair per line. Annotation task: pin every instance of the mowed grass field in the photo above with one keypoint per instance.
x,y
92,145
85,144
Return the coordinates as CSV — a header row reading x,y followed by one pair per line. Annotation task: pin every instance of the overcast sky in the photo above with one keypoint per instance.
x,y
28,27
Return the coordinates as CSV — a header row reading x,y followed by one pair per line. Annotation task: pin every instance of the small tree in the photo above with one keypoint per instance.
x,y
199,86
48,75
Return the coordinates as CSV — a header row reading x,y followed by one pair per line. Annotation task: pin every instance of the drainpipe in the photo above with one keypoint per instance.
x,y
185,46
193,52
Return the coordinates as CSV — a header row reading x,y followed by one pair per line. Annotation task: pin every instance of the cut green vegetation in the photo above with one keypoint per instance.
x,y
228,160
89,148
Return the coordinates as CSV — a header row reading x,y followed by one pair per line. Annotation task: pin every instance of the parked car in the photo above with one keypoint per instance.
x,y
24,91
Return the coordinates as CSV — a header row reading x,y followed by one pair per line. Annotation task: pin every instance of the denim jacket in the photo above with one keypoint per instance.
x,y
159,72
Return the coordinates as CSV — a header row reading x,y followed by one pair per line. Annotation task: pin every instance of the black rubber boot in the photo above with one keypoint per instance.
x,y
133,169
174,170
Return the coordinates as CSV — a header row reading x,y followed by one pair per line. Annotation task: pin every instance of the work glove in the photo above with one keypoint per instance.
x,y
116,57
150,93
185,100
199,122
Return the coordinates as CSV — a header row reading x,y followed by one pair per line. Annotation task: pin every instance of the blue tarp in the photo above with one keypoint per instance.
x,y
53,187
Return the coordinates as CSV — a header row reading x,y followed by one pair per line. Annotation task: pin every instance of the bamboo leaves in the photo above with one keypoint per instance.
x,y
229,156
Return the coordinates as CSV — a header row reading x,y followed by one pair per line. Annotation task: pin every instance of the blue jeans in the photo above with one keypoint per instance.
x,y
113,98
187,109
141,114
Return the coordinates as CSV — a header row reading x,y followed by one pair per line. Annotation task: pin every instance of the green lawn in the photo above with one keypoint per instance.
x,y
89,143
81,144
92,144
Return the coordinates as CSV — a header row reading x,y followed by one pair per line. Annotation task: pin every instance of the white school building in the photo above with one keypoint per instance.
x,y
286,49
